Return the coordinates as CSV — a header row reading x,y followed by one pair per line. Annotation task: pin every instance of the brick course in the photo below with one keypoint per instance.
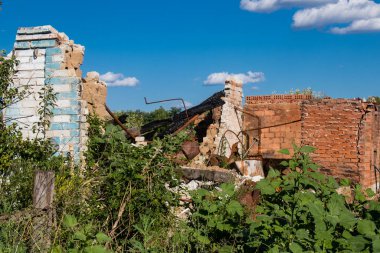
x,y
345,132
50,58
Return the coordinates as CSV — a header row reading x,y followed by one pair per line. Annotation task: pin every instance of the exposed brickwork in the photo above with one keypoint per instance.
x,y
345,132
332,126
276,98
274,123
48,57
231,122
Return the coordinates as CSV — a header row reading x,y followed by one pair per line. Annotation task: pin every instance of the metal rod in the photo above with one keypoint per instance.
x,y
167,100
119,123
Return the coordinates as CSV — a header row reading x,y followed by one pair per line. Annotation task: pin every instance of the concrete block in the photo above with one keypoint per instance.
x,y
58,133
55,65
37,30
43,43
24,59
23,53
29,103
61,119
28,111
53,51
33,119
66,103
30,37
68,95
30,66
28,81
64,73
22,45
75,118
55,58
62,80
58,58
66,111
74,133
12,112
64,126
39,59
62,88
30,74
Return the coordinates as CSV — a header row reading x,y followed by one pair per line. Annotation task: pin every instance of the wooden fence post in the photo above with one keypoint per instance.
x,y
43,192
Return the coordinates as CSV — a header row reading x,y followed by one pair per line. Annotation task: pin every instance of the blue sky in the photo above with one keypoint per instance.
x,y
172,46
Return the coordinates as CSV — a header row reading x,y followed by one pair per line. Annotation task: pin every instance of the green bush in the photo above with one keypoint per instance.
x,y
302,212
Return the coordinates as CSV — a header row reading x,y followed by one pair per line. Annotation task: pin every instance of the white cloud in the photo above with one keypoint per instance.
x,y
221,77
335,16
118,79
342,12
273,5
359,26
110,77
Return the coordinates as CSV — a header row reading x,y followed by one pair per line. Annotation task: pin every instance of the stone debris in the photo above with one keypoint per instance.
x,y
231,121
94,91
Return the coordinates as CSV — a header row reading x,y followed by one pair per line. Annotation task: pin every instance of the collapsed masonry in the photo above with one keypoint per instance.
x,y
48,57
346,133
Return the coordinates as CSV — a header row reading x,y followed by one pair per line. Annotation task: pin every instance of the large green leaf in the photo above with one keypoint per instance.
x,y
80,236
102,238
284,151
201,239
307,149
347,219
358,243
302,234
70,221
226,249
95,249
366,227
228,189
234,207
376,245
295,248
265,187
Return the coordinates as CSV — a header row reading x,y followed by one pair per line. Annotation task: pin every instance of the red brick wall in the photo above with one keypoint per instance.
x,y
275,123
332,126
368,147
345,132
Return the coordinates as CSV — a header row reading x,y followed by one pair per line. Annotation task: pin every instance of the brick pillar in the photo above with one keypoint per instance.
x,y
49,57
231,119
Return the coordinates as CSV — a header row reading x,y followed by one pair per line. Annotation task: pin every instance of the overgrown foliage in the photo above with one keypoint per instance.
x,y
302,212
137,118
125,197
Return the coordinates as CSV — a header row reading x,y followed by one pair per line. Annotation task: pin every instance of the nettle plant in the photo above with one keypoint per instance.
x,y
302,212
218,220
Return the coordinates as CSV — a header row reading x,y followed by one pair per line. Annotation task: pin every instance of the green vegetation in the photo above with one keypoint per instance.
x,y
124,198
374,99
137,118
306,91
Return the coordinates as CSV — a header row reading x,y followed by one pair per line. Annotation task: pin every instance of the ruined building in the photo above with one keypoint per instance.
x,y
48,57
344,131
